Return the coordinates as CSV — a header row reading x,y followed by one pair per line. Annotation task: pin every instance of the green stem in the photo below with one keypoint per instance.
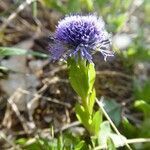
x,y
82,77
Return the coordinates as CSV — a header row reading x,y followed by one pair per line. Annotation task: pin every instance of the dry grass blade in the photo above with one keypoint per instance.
x,y
129,141
113,73
3,136
111,122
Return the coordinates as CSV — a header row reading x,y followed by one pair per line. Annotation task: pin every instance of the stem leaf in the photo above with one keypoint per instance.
x,y
81,76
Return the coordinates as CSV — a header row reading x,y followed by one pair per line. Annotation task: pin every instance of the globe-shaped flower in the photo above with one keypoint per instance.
x,y
80,36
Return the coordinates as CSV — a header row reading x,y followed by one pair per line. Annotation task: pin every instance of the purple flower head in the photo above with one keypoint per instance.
x,y
80,36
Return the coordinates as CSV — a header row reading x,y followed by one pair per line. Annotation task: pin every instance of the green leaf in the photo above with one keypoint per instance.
x,y
80,145
91,124
21,141
82,115
129,129
60,142
81,76
10,51
110,144
137,51
116,21
96,121
91,76
100,3
88,3
29,144
144,130
143,106
73,6
114,110
54,4
142,92
119,141
91,101
106,132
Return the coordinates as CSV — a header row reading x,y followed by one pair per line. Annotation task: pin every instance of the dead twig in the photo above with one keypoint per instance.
x,y
65,127
113,73
17,112
15,13
73,124
54,100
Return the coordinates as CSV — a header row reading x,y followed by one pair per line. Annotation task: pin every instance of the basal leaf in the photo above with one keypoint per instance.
x,y
10,51
114,110
106,132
